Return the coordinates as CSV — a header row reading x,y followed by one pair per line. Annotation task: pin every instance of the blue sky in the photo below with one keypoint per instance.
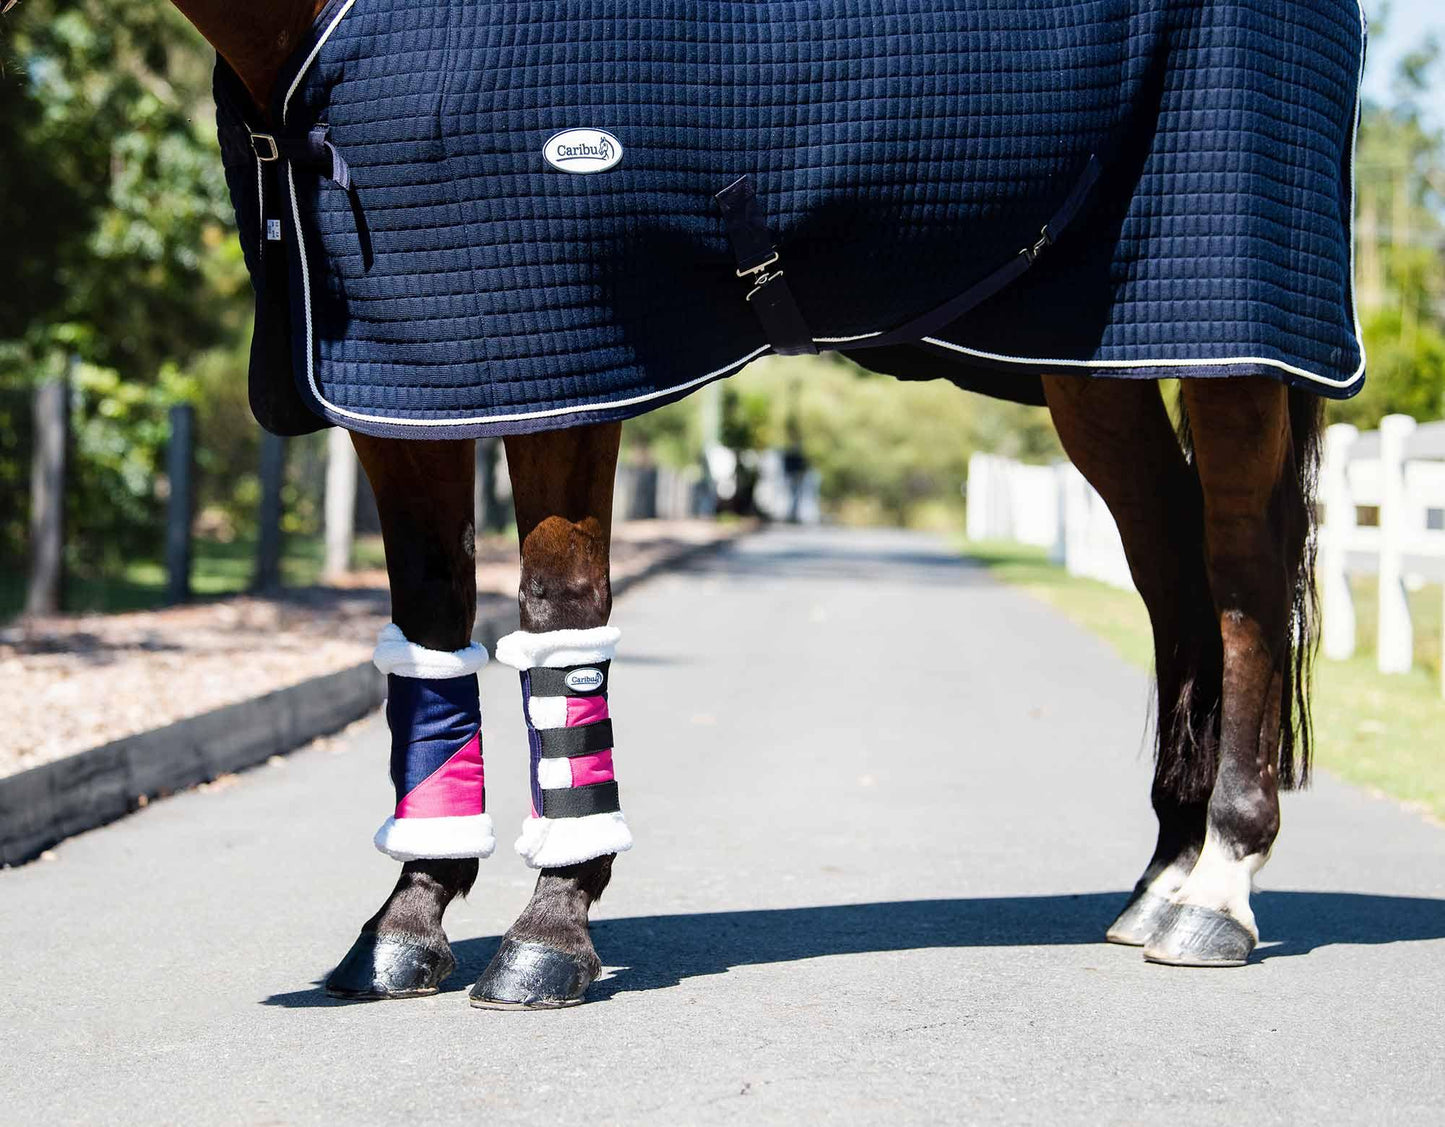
x,y
1405,26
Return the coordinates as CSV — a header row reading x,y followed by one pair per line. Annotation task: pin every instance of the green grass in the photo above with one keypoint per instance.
x,y
1425,614
217,569
1379,731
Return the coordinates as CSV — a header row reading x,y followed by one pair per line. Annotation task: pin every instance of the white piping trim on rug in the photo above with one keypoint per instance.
x,y
311,58
549,843
394,654
1202,362
1354,173
1042,362
414,839
557,649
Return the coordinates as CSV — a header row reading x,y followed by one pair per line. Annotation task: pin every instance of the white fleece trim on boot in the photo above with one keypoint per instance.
x,y
548,712
557,649
395,654
549,843
412,839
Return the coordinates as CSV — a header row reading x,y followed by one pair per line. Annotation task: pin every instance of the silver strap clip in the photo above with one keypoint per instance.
x,y
759,275
1045,239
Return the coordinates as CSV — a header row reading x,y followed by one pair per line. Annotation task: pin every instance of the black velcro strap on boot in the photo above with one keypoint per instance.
x,y
758,264
555,683
569,743
578,802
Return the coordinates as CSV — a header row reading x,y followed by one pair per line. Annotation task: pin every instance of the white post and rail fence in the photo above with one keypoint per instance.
x,y
1382,513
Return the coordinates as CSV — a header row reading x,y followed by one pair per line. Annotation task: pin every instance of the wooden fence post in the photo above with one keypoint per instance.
x,y
1337,604
1395,648
180,505
47,497
268,538
340,514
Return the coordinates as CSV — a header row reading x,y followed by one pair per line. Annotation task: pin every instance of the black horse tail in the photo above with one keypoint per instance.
x,y
1187,734
1296,501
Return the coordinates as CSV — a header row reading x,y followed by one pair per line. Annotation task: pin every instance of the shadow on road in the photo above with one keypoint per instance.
x,y
670,949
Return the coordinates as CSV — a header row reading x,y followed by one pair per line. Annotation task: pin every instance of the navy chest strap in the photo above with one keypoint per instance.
x,y
314,153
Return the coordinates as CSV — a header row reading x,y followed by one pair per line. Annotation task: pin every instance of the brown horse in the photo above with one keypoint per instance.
x,y
1215,518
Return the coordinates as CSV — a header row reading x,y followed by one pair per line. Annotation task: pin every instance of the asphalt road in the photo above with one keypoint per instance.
x,y
884,810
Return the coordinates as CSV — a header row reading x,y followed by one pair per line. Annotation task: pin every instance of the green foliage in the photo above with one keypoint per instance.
x,y
119,268
1406,372
1400,177
887,450
119,430
671,435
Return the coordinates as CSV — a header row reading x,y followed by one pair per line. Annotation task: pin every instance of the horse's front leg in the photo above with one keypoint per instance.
x,y
562,485
439,827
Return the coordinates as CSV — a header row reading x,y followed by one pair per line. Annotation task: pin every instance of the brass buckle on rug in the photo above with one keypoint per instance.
x,y
268,155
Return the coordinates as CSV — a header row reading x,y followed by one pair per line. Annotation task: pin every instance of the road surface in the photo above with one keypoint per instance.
x,y
884,809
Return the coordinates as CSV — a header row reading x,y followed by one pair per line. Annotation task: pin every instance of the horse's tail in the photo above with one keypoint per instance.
x,y
1296,501
1187,748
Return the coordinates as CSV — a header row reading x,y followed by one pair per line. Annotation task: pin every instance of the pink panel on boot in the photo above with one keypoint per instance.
x,y
585,710
592,768
453,790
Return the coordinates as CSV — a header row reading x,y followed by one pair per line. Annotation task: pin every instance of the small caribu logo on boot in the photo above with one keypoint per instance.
x,y
583,150
584,680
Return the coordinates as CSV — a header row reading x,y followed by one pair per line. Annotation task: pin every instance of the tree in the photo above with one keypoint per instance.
x,y
1400,188
118,260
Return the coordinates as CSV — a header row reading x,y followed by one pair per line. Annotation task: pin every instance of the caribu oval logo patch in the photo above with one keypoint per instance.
x,y
583,150
584,680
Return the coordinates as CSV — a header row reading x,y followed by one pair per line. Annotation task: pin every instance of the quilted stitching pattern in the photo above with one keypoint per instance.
x,y
903,148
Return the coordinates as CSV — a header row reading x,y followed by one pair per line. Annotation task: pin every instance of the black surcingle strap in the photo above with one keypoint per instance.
x,y
759,265
990,284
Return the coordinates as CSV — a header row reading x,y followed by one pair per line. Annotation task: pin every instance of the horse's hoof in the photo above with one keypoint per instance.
x,y
531,976
390,966
1191,936
1142,918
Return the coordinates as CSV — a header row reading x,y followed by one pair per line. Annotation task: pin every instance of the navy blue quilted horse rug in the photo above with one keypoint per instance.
x,y
467,219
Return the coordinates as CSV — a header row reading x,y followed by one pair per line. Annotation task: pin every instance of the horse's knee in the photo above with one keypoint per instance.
x,y
565,583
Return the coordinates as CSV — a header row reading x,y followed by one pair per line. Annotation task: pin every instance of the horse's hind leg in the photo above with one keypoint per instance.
x,y
424,497
562,486
1118,433
1254,467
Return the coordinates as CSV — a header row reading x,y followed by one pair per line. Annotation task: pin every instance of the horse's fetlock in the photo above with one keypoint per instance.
x,y
1245,819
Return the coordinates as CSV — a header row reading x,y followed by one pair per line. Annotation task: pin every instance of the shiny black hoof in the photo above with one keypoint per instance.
x,y
390,966
532,976
1142,919
1192,936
